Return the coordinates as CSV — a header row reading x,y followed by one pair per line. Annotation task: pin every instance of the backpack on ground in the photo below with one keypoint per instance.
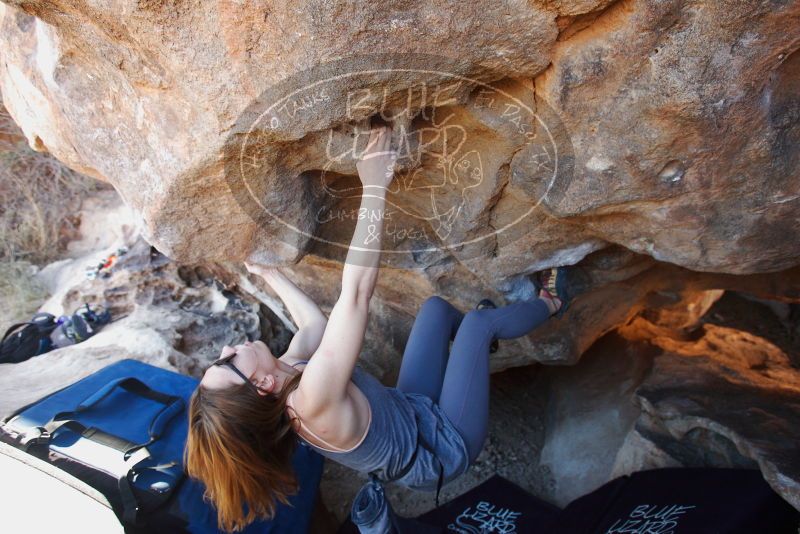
x,y
80,326
44,332
25,340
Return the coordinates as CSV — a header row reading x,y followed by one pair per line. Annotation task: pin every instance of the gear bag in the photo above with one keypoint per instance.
x,y
23,341
100,420
117,430
79,326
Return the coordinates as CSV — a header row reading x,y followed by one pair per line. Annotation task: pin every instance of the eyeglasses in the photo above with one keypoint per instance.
x,y
226,361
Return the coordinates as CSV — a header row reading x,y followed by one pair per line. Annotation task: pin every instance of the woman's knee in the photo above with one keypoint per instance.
x,y
435,304
475,320
474,446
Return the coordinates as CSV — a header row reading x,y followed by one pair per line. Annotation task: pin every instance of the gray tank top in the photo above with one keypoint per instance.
x,y
398,423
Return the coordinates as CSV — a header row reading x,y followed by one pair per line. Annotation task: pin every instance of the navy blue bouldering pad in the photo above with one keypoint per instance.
x,y
128,415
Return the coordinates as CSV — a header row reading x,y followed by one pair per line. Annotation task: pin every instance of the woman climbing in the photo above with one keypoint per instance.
x,y
251,408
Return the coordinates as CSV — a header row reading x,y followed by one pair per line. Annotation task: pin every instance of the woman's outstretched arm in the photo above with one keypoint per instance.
x,y
306,314
325,379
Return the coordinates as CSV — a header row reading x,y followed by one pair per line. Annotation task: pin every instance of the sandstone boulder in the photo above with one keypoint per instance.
x,y
678,125
173,316
728,399
648,396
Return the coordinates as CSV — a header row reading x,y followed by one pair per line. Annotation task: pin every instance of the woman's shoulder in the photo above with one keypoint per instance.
x,y
294,361
355,388
351,418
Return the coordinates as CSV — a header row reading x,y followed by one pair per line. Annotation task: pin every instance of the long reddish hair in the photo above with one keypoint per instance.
x,y
240,446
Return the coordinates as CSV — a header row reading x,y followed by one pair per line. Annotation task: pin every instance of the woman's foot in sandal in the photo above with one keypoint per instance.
x,y
553,303
553,289
486,303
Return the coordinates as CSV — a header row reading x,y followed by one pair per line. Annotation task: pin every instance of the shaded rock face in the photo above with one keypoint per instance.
x,y
651,396
728,399
589,413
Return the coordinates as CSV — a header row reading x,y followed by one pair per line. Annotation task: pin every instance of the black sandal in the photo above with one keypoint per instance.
x,y
482,305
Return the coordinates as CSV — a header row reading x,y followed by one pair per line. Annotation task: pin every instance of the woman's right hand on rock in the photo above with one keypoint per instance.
x,y
262,271
376,164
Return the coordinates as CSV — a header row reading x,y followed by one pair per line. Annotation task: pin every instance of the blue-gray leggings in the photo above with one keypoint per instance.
x,y
458,379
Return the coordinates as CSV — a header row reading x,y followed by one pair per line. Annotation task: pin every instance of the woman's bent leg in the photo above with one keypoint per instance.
x,y
465,391
425,356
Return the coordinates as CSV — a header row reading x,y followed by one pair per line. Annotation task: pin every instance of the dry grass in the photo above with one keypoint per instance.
x,y
39,200
20,292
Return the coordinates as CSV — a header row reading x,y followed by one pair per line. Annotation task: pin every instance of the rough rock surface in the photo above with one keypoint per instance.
x,y
679,122
648,396
728,399
173,316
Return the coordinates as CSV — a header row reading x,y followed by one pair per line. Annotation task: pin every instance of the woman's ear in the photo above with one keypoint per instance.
x,y
266,385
